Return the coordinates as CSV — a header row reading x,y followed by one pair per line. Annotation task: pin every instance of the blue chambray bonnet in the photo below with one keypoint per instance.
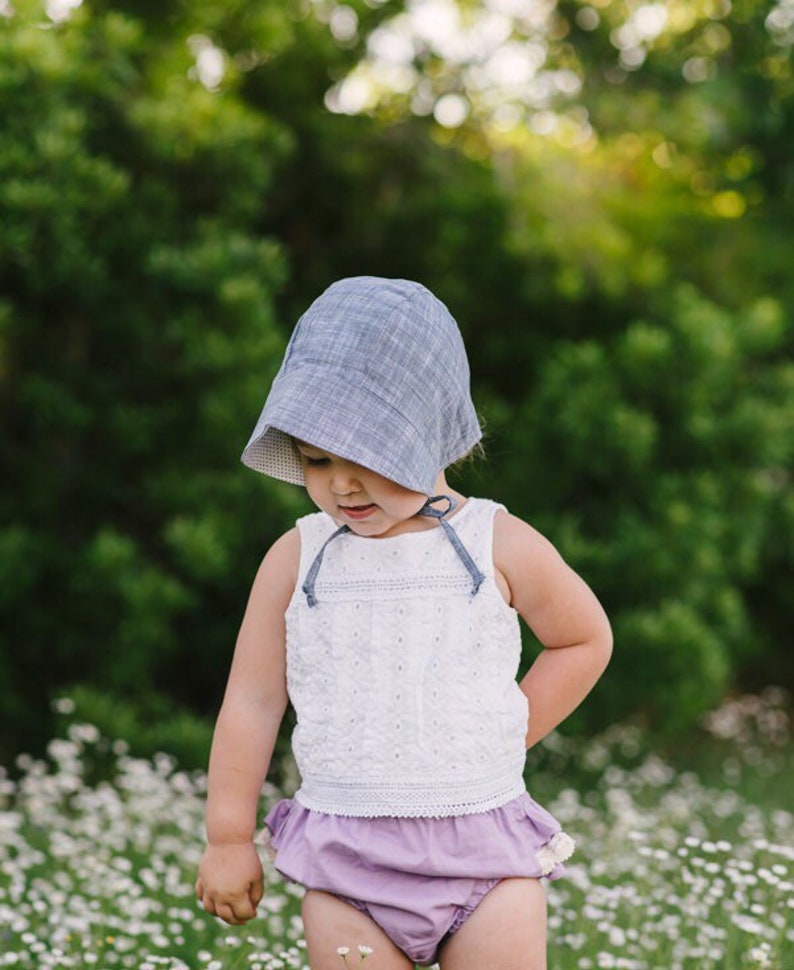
x,y
375,372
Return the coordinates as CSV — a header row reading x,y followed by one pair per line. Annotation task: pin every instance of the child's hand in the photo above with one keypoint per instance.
x,y
229,883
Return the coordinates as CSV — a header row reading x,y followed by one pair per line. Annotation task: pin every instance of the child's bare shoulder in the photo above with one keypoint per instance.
x,y
287,548
531,566
518,543
278,571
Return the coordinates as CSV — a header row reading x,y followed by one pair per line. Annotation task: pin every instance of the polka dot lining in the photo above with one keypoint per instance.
x,y
273,453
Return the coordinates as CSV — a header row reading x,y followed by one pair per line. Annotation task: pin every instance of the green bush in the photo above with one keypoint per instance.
x,y
625,295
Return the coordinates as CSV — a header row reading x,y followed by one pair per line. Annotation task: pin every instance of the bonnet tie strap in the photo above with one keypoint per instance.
x,y
477,578
314,569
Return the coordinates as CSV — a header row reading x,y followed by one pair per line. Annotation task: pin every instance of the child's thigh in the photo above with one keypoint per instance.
x,y
330,922
506,931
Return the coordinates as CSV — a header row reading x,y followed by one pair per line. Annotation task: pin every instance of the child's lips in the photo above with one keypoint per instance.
x,y
358,511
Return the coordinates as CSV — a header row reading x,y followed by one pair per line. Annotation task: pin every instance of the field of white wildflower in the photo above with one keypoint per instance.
x,y
678,867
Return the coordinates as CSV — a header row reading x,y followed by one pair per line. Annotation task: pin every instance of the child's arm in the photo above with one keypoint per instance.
x,y
230,874
562,612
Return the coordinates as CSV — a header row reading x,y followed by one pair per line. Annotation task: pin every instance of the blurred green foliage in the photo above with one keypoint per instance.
x,y
622,282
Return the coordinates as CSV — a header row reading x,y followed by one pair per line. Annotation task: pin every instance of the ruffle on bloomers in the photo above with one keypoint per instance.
x,y
353,857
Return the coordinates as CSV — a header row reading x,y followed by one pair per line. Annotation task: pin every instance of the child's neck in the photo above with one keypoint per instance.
x,y
442,488
420,523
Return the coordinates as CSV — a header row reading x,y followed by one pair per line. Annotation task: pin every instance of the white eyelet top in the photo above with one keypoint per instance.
x,y
403,683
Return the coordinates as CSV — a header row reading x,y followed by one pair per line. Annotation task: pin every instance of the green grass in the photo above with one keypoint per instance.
x,y
684,860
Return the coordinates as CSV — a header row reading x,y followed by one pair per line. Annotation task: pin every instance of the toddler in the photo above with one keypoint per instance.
x,y
390,619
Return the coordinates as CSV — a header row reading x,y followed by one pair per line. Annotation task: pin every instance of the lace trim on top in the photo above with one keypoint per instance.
x,y
409,799
357,586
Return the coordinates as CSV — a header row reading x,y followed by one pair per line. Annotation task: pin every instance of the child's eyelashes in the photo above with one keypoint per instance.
x,y
314,462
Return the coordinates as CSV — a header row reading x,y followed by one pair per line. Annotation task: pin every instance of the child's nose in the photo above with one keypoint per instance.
x,y
344,480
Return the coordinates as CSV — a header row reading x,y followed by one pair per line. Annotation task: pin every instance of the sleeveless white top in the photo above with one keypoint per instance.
x,y
403,683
